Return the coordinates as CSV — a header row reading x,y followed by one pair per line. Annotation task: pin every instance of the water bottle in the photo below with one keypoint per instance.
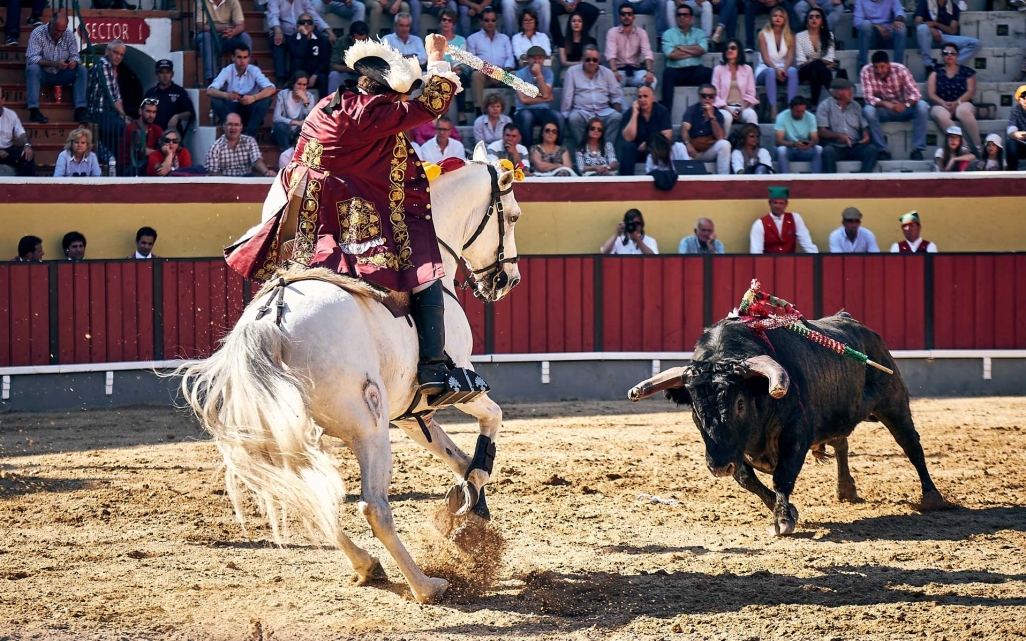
x,y
112,167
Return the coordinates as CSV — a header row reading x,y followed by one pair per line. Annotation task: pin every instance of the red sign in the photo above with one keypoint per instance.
x,y
132,31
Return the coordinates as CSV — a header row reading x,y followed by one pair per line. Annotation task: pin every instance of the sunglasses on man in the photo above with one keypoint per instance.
x,y
302,22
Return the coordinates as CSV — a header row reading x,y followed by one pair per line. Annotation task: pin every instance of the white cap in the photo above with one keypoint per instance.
x,y
954,130
996,139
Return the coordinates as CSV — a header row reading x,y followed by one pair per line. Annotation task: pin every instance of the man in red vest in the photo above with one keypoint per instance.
x,y
913,243
780,231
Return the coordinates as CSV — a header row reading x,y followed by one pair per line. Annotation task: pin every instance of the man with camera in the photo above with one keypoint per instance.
x,y
630,238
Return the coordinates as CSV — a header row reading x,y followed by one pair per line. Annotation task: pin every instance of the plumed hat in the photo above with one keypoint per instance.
x,y
381,63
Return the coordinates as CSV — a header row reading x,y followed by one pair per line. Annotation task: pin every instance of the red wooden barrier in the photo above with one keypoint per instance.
x,y
202,301
24,315
789,277
979,301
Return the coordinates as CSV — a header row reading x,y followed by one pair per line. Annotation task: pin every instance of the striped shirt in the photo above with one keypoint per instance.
x,y
236,161
103,78
42,47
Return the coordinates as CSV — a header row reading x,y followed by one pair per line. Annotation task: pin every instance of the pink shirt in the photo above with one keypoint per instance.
x,y
898,86
745,83
628,48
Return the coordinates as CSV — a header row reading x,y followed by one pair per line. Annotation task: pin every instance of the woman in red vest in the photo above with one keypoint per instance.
x,y
780,231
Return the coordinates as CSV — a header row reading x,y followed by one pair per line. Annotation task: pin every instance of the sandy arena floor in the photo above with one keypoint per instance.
x,y
114,525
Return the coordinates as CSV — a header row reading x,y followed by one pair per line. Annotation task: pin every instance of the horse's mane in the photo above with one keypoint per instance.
x,y
294,272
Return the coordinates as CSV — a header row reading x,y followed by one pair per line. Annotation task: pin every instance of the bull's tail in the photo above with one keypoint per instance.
x,y
258,412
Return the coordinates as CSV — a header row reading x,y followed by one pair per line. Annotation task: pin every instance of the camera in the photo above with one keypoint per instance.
x,y
631,224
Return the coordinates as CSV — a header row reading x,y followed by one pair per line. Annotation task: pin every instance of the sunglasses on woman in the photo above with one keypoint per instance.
x,y
550,130
172,140
949,52
594,128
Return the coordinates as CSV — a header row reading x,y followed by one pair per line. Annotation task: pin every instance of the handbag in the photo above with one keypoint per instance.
x,y
702,143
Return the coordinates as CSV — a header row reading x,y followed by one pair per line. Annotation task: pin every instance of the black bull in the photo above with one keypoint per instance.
x,y
763,401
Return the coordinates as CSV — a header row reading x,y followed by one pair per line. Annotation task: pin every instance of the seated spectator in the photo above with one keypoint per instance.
x,y
537,110
140,139
242,89
283,16
776,46
954,155
74,245
588,14
52,59
104,97
892,95
735,86
528,38
340,73
704,10
647,117
591,91
596,157
951,89
549,158
780,231
30,250
843,130
291,108
629,52
170,157
489,126
509,148
174,106
78,160
759,7
446,27
703,133
432,7
993,155
423,133
749,158
654,8
703,241
937,25
814,53
235,154
405,42
851,237
683,47
571,52
492,47
229,26
630,238
914,243
797,137
443,145
1016,146
661,154
880,24
830,13
13,27
145,239
15,149
311,54
513,9
382,10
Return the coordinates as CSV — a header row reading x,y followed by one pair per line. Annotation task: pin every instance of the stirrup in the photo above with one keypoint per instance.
x,y
461,386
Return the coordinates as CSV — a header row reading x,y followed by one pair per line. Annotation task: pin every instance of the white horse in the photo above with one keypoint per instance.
x,y
341,364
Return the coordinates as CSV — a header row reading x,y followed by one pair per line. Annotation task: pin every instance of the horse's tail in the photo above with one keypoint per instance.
x,y
258,412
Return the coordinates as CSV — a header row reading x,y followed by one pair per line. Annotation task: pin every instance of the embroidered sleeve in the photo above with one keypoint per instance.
x,y
438,92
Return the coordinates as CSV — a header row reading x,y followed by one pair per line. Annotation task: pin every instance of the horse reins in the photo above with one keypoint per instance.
x,y
494,270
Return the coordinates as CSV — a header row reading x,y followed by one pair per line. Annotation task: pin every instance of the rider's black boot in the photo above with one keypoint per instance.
x,y
428,309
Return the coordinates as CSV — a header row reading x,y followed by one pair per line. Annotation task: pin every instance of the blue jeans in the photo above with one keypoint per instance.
x,y
786,154
205,43
768,77
526,119
35,76
870,37
355,11
918,113
648,8
418,7
967,47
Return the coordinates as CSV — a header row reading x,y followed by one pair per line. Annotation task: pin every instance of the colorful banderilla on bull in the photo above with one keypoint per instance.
x,y
496,73
755,311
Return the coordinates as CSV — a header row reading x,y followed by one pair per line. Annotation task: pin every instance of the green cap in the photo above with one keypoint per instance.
x,y
910,217
779,192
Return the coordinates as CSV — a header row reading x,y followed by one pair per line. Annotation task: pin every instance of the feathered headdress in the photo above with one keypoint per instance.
x,y
380,62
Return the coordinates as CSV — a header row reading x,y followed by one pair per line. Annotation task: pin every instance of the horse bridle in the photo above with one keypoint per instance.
x,y
493,273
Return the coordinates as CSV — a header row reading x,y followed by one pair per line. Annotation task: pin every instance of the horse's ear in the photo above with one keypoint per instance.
x,y
480,152
506,180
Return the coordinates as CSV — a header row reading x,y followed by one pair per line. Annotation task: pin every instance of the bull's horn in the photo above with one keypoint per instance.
x,y
764,365
670,379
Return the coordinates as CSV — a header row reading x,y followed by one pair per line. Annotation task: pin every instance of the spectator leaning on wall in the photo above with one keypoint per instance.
x,y
851,237
913,243
780,231
30,250
74,244
630,237
145,239
703,241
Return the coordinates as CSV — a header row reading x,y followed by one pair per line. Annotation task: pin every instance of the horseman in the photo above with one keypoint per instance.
x,y
355,198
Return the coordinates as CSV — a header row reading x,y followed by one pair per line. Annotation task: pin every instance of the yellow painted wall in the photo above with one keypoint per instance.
x,y
198,229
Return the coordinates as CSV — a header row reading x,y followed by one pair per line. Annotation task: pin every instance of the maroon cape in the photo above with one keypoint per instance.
x,y
355,198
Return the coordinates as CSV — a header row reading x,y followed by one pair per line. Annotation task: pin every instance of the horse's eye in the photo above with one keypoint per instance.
x,y
740,405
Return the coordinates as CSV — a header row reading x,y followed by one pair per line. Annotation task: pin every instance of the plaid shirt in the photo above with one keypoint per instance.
x,y
42,47
103,74
236,162
898,86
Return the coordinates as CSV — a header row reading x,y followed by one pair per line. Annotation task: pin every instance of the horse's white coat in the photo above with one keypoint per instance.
x,y
342,365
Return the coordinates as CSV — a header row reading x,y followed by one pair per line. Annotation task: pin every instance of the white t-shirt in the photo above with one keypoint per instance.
x,y
430,152
630,248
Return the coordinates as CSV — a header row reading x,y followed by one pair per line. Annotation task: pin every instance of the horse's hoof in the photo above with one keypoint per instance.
x,y
461,498
430,590
370,574
782,528
848,494
933,501
481,508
